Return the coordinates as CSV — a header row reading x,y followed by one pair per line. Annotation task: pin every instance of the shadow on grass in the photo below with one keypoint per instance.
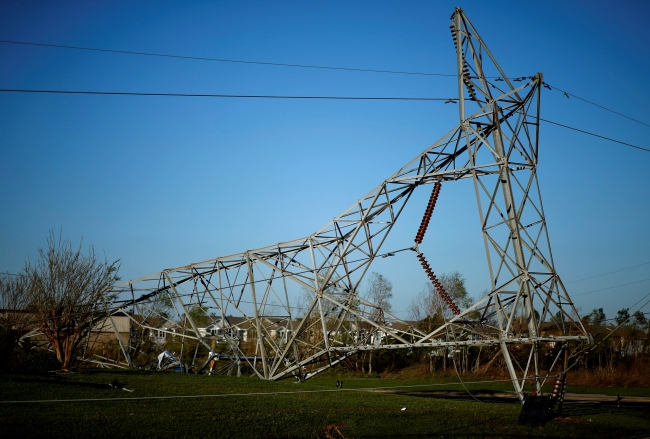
x,y
55,381
461,431
595,409
487,396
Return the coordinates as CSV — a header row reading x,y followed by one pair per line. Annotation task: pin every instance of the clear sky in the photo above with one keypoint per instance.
x,y
163,182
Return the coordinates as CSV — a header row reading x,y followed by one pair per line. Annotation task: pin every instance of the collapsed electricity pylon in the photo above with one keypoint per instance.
x,y
258,320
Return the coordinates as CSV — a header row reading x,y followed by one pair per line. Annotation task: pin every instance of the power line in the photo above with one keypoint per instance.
x,y
632,315
306,66
605,274
224,60
609,288
343,98
209,95
600,106
613,331
595,135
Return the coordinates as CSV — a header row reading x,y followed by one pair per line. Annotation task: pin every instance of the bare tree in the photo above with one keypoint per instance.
x,y
303,301
418,309
380,291
427,308
14,319
67,291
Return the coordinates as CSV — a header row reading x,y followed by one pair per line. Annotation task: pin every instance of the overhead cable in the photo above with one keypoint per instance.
x,y
307,66
224,60
609,288
210,95
590,348
237,96
633,314
599,106
595,135
605,274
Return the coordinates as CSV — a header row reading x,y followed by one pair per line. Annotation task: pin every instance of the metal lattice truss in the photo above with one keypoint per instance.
x,y
299,303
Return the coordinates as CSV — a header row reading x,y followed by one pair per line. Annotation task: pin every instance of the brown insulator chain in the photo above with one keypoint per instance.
x,y
418,239
436,283
466,75
427,213
466,80
453,35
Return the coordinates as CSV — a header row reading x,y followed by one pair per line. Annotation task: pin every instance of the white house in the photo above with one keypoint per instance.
x,y
238,327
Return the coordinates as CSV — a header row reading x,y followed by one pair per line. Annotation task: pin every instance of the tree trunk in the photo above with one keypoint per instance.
x,y
478,357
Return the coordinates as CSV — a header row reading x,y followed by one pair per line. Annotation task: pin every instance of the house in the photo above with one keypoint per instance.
x,y
244,328
160,329
220,327
108,328
157,329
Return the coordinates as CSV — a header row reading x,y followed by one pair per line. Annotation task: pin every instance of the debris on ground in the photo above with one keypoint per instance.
x,y
328,429
113,385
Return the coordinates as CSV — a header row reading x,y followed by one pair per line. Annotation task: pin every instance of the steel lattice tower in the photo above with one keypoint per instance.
x,y
495,145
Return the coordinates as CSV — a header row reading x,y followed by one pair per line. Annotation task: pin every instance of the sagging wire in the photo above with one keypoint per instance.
x,y
595,135
606,274
591,348
567,94
223,60
453,358
213,95
609,288
222,395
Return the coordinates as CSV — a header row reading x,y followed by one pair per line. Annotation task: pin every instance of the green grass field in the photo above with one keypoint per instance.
x,y
251,408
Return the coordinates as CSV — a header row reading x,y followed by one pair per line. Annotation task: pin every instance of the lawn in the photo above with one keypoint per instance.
x,y
251,408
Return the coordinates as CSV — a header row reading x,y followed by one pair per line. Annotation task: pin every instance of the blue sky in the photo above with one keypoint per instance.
x,y
162,182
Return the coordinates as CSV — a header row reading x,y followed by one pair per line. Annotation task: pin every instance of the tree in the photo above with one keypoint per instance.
x,y
640,319
427,309
199,315
304,300
454,284
622,316
14,319
162,305
67,293
596,317
380,291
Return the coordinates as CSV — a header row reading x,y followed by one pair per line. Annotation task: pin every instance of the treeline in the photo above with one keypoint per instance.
x,y
614,350
619,355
